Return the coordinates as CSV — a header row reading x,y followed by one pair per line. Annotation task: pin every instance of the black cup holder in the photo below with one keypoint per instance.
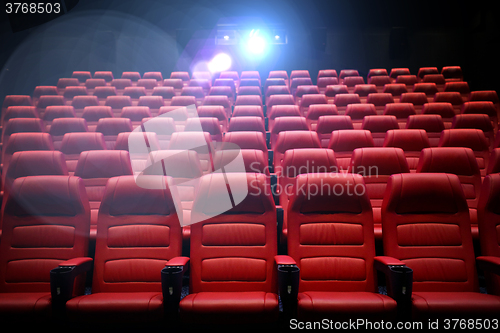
x,y
171,283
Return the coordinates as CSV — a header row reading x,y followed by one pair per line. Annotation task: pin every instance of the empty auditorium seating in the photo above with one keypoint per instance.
x,y
278,99
176,84
286,124
61,126
408,80
395,89
225,91
380,81
342,100
461,162
343,143
376,165
92,114
401,111
325,81
246,140
95,167
452,73
352,81
423,71
469,138
378,126
317,110
396,72
412,141
74,143
357,112
327,124
45,226
426,225
494,162
431,123
132,76
478,121
178,114
248,111
208,125
418,99
310,99
111,127
20,112
438,79
106,75
82,76
278,111
163,127
428,88
380,100
184,76
303,90
204,84
135,114
138,233
232,266
363,90
445,110
21,125
117,103
293,140
332,243
452,97
460,86
219,100
201,142
216,111
488,224
247,123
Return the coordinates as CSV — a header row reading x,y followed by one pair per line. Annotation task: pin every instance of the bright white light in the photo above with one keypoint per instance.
x,y
226,37
276,37
256,44
221,62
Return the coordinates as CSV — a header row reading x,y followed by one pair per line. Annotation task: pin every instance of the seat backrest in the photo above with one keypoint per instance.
x,y
248,100
359,111
425,222
277,90
246,123
138,231
61,126
166,92
246,140
22,125
248,110
117,103
279,99
82,76
309,99
153,75
233,251
395,72
46,221
201,142
133,76
332,241
207,125
254,160
111,127
106,75
184,76
287,124
293,140
24,141
327,124
407,139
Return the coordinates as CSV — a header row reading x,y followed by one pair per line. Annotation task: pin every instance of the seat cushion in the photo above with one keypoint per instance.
x,y
455,305
25,303
108,307
230,306
324,304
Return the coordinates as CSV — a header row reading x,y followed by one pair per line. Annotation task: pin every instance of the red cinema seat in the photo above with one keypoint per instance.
x,y
426,225
327,73
134,93
488,221
305,90
332,243
377,72
215,111
408,80
219,100
428,88
233,75
248,111
224,91
243,237
380,100
71,92
295,163
246,140
310,99
102,92
395,89
333,90
352,81
45,226
184,76
61,126
82,76
452,97
48,100
327,124
401,111
412,141
21,125
343,143
138,235
248,90
276,90
132,76
176,84
358,111
254,160
445,110
423,71
154,103
286,124
270,82
249,83
486,95
452,73
363,90
92,114
153,75
468,138
278,74
482,107
396,72
187,101
376,165
79,103
299,81
204,84
278,99
278,111
478,121
148,84
250,75
226,83
494,162
418,99
438,79
63,83
346,73
201,142
20,112
318,110
95,167
92,84
121,84
459,86
379,81
117,103
43,90
248,100
106,75
378,126
343,100
246,123
461,162
74,143
208,125
167,93
299,73
111,127
324,81
293,140
431,123
135,114
162,127
178,114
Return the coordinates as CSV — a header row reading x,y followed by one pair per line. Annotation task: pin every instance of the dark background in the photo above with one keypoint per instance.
x,y
148,35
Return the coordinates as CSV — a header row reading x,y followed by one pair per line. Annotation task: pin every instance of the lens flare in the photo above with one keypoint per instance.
x,y
221,62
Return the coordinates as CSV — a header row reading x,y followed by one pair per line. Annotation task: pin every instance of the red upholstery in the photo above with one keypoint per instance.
x,y
153,75
418,99
62,83
461,86
279,111
425,221
219,100
286,124
74,143
184,76
195,91
134,93
208,125
295,163
380,100
135,114
358,111
488,217
254,160
428,88
325,81
22,125
19,112
138,232
469,138
401,111
201,142
148,83
342,100
61,126
248,110
293,140
177,84
111,127
461,162
438,79
248,100
376,165
343,143
377,72
452,97
232,270
276,89
46,222
352,81
73,91
327,124
327,73
106,75
347,72
222,91
305,89
408,80
378,126
138,144
80,102
178,113
93,83
163,127
363,90
166,92
246,140
379,81
250,123
333,245
117,103
478,121
58,111
432,124
279,99
412,141
82,76
154,103
444,109
133,76
494,162
248,90
95,167
310,99
396,72
225,82
333,90
423,71
318,110
452,73
121,84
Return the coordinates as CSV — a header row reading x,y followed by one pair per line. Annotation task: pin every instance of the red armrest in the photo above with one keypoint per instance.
x,y
75,262
284,260
389,261
177,261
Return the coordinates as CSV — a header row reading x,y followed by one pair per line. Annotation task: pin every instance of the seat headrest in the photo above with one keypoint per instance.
x,y
174,83
125,196
47,196
348,140
28,141
400,110
380,99
113,126
253,160
481,107
153,102
417,98
245,140
341,99
159,125
20,112
313,160
284,111
61,126
319,193
205,124
103,164
23,125
297,139
244,123
232,194
135,113
359,111
336,89
153,75
163,92
309,99
407,139
479,121
198,141
75,143
328,124
444,109
376,161
94,113
380,124
216,111
137,142
58,111
34,163
177,113
425,193
432,123
183,100
317,110
452,97
80,102
118,102
456,160
293,123
134,92
248,100
175,163
490,194
464,137
93,83
197,92
305,90
147,83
